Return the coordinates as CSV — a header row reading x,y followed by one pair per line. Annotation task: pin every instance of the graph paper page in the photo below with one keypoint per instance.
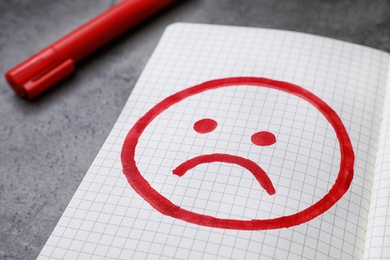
x,y
377,243
228,148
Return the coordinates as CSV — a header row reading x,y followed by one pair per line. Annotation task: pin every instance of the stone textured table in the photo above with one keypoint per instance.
x,y
47,145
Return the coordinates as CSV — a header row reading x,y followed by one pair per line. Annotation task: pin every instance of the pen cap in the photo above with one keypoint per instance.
x,y
36,74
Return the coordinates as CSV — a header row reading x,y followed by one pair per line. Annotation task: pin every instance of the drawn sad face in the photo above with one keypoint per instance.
x,y
240,153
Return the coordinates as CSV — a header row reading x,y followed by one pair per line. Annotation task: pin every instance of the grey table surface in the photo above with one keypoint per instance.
x,y
47,145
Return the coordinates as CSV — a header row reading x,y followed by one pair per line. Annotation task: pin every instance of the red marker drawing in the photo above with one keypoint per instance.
x,y
260,175
47,67
260,138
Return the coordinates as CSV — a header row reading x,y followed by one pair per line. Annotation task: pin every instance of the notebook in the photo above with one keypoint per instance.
x,y
241,143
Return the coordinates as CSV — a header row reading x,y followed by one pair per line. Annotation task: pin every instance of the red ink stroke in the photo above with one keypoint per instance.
x,y
260,175
166,207
205,125
263,138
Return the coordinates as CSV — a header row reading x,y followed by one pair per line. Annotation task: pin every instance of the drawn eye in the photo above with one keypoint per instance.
x,y
205,125
263,138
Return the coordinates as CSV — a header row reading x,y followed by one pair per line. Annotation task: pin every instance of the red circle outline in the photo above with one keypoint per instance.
x,y
166,207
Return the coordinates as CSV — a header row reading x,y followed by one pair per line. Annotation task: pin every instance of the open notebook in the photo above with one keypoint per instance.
x,y
241,143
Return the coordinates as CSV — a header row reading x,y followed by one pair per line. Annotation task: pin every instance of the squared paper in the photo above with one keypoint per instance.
x,y
107,218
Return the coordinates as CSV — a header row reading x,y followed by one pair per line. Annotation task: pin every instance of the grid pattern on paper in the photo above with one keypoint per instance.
x,y
226,190
107,219
377,243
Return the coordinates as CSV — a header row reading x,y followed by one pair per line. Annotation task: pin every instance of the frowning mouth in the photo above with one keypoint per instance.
x,y
260,175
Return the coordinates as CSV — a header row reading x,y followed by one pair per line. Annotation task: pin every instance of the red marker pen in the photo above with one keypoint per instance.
x,y
44,69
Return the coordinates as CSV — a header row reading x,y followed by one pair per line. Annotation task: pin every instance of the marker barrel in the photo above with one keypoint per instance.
x,y
47,67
